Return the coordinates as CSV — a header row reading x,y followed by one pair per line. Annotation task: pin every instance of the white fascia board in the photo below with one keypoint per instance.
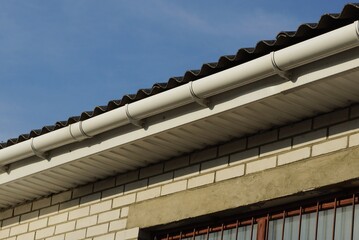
x,y
272,86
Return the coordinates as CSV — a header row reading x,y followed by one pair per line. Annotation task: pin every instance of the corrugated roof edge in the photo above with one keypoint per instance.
x,y
327,22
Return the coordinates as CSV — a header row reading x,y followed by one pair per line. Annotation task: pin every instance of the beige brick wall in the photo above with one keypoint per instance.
x,y
100,210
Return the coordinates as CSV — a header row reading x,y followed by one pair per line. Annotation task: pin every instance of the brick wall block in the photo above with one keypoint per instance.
x,y
82,191
263,138
151,170
6,213
100,207
124,200
113,192
61,197
160,179
59,218
203,155
230,172
260,165
11,221
354,111
97,230
215,164
109,236
109,216
294,155
201,180
127,177
136,186
148,194
245,156
26,236
118,225
310,138
330,146
78,213
295,129
65,227
41,223
127,234
331,118
104,184
354,140
79,234
275,147
232,147
4,233
344,128
46,232
49,211
42,203
90,199
124,211
22,209
86,222
29,216
174,187
16,230
176,163
186,172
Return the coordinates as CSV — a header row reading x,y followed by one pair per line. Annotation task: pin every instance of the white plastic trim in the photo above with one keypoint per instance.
x,y
278,62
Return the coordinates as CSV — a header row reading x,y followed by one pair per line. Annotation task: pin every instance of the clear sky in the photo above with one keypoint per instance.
x,y
60,58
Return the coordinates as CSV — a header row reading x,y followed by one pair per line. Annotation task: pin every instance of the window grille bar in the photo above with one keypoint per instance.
x,y
267,228
300,222
222,231
317,221
353,216
252,223
207,237
237,225
283,225
194,234
334,217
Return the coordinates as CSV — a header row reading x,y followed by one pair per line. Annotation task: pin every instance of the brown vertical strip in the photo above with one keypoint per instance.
x,y
283,225
334,218
194,234
180,236
237,226
261,228
222,230
300,222
353,216
316,222
267,227
207,237
252,223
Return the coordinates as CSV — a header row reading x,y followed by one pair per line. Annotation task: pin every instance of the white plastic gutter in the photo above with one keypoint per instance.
x,y
279,62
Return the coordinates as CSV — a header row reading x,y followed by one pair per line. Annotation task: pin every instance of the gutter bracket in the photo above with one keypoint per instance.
x,y
5,168
137,122
287,75
42,155
201,101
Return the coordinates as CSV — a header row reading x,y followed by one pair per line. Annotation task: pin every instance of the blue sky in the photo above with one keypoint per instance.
x,y
60,58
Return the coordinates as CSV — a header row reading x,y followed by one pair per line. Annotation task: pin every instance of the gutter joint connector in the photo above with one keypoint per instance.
x,y
137,122
42,155
204,102
287,75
